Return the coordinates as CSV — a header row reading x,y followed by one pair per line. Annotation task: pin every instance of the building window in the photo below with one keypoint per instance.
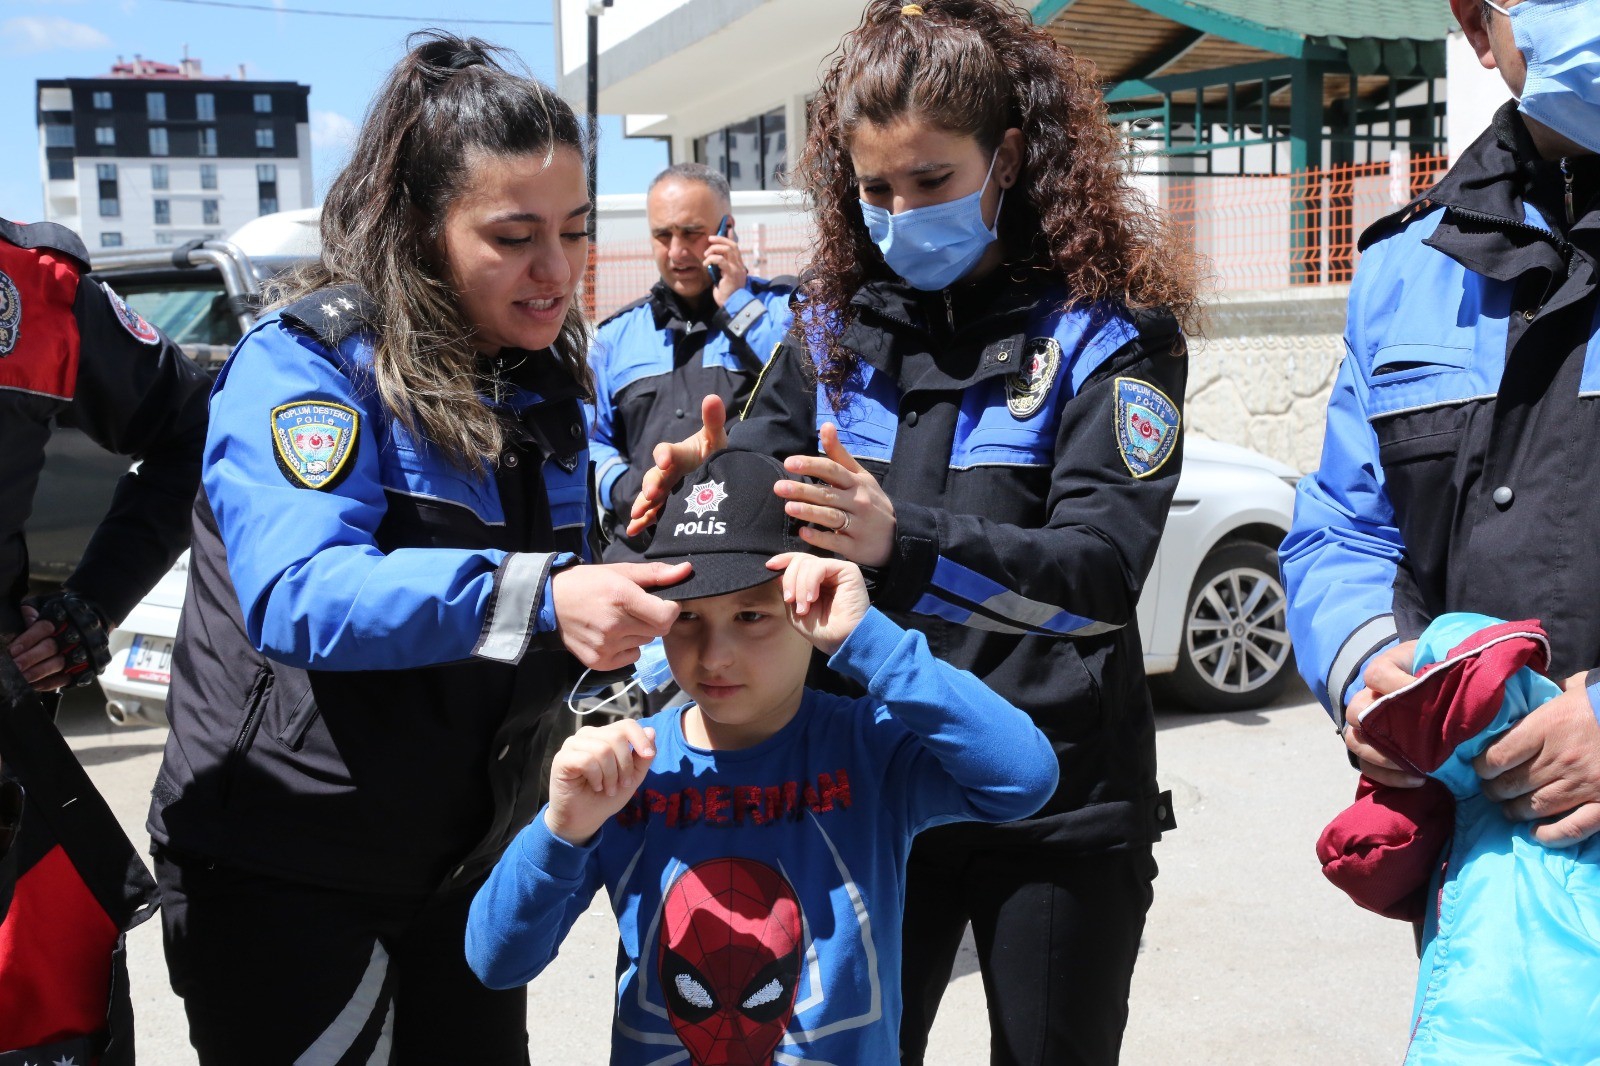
x,y
59,137
106,178
205,107
158,141
163,212
62,170
111,239
208,175
105,134
102,101
264,138
158,176
155,107
267,187
263,103
164,237
750,154
208,141
210,214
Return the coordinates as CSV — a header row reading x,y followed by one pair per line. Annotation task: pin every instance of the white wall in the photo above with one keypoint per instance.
x,y
621,20
1473,93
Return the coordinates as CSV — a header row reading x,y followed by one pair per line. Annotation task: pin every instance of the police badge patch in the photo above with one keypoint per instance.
x,y
314,440
1027,389
131,321
10,314
1147,426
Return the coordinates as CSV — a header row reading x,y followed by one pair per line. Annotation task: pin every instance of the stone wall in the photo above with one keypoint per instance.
x,y
1262,375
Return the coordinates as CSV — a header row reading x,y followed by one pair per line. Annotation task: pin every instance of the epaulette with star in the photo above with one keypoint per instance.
x,y
332,315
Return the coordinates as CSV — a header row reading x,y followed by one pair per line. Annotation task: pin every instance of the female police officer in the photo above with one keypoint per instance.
x,y
373,636
992,323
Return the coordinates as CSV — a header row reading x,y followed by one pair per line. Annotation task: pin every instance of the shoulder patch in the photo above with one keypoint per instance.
x,y
314,440
10,314
131,320
1027,389
1147,426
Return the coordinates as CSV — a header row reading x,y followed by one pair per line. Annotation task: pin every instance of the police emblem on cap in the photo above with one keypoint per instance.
x,y
10,314
131,321
314,440
1147,426
1027,389
704,499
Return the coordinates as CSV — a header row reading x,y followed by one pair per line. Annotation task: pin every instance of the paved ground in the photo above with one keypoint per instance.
x,y
1249,956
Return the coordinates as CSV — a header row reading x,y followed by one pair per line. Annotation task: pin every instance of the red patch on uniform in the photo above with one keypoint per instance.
x,y
43,356
55,949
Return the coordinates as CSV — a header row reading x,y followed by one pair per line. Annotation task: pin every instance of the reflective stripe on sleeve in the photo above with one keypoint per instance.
x,y
1369,637
510,622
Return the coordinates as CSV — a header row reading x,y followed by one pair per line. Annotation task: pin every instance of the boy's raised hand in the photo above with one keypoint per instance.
x,y
593,777
827,598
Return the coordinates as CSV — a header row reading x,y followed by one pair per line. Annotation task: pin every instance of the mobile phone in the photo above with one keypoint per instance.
x,y
722,231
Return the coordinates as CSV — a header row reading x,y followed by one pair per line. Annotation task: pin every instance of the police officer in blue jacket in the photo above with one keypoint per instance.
x,y
386,602
705,329
1459,470
980,405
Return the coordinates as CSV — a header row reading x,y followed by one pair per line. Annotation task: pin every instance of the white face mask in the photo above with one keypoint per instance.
x,y
651,673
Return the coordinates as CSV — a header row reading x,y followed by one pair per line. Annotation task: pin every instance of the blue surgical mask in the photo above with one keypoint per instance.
x,y
1560,39
933,247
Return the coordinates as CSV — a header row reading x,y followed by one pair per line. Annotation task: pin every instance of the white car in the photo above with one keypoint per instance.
x,y
1213,615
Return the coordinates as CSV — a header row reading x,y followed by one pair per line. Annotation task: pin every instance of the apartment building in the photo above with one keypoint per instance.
x,y
156,153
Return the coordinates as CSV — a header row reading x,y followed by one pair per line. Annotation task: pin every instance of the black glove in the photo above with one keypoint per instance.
x,y
81,636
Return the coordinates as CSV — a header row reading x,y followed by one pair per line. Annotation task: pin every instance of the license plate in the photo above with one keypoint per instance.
x,y
149,659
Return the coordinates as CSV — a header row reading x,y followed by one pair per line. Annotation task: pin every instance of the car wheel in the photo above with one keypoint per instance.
x,y
1235,651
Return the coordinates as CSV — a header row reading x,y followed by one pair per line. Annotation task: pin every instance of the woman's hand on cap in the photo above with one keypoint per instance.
x,y
849,512
604,615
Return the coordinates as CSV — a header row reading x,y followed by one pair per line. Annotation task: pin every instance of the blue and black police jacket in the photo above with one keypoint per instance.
x,y
653,362
1031,453
1457,470
367,653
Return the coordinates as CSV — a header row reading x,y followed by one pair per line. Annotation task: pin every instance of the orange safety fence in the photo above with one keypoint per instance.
x,y
1268,232
1255,231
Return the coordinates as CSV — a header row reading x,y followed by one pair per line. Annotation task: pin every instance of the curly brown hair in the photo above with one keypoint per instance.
x,y
979,68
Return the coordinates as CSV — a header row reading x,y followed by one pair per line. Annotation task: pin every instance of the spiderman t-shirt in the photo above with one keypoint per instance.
x,y
758,892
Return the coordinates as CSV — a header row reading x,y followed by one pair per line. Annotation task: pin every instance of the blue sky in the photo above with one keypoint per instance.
x,y
343,60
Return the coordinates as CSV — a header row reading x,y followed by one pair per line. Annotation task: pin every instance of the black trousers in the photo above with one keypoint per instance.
x,y
1057,936
274,972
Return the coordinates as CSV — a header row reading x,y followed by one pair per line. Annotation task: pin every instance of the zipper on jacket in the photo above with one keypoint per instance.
x,y
253,701
1561,243
498,368
950,306
1566,178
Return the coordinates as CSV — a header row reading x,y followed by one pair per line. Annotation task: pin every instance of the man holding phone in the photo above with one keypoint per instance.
x,y
706,327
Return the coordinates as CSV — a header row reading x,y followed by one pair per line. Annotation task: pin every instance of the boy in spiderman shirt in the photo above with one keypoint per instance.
x,y
754,842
